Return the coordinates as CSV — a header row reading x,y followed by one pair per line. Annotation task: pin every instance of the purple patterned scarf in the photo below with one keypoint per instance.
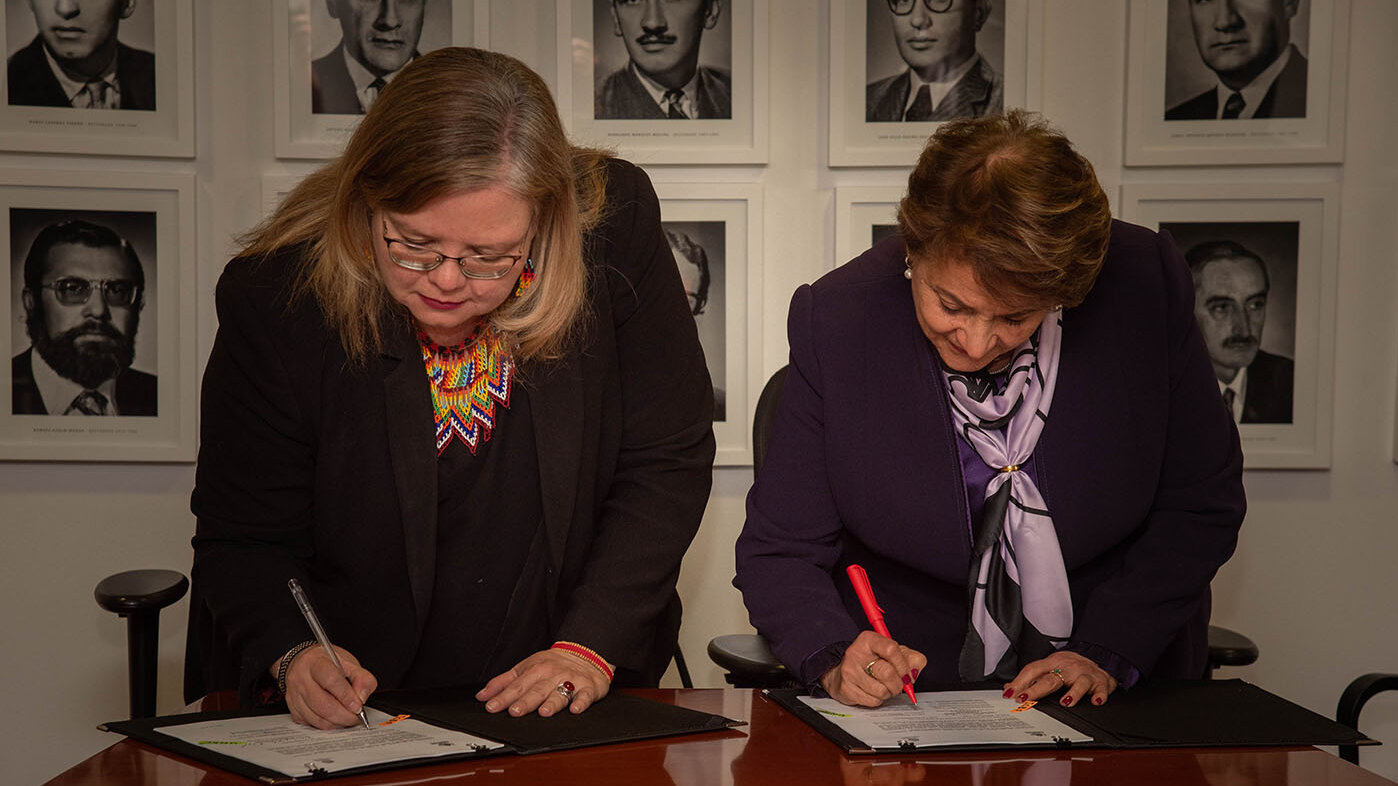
x,y
1021,609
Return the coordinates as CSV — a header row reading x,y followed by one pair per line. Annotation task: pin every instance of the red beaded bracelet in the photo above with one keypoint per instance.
x,y
586,654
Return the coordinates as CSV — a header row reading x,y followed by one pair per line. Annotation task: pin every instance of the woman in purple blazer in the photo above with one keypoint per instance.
x,y
1007,416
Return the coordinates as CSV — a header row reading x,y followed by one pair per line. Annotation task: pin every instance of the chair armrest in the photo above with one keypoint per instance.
x,y
1359,691
1229,648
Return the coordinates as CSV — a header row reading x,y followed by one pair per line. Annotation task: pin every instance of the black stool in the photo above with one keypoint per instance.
x,y
139,595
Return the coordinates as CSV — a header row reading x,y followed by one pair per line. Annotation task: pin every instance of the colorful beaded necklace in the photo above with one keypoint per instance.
x,y
467,381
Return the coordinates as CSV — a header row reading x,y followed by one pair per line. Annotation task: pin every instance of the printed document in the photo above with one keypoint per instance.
x,y
279,743
967,717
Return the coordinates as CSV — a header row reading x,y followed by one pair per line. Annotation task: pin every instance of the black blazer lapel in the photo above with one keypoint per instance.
x,y
411,447
556,403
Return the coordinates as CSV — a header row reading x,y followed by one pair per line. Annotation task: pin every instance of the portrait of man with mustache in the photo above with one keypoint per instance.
x,y
1255,69
1231,285
84,289
75,59
378,38
663,78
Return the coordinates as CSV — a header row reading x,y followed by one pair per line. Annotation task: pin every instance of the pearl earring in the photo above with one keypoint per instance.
x,y
908,273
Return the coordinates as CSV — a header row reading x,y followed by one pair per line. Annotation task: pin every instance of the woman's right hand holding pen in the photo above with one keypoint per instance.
x,y
318,695
874,669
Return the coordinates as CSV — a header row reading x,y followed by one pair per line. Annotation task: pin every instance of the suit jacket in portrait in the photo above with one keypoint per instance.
x,y
623,97
135,390
980,92
1139,465
31,82
1271,382
313,467
332,89
1286,97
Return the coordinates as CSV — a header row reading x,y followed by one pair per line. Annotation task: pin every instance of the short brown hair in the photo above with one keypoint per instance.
x,y
1009,196
453,120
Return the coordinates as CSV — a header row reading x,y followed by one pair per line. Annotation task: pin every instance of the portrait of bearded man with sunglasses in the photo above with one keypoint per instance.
x,y
84,289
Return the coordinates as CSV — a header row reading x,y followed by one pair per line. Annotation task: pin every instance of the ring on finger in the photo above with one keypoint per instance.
x,y
869,667
1059,674
566,690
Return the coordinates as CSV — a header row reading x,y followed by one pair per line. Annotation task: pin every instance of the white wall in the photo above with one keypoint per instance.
x,y
1311,583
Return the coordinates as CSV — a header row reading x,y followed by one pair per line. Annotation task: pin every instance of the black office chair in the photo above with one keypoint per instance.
x,y
139,595
1353,700
748,659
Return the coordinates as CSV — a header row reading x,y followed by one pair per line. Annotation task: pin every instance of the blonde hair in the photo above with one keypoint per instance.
x,y
1009,196
452,121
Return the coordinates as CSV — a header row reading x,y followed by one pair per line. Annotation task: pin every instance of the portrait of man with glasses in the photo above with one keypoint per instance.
x,y
943,75
83,292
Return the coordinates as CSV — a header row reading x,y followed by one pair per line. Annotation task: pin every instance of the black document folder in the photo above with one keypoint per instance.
x,y
1154,714
618,718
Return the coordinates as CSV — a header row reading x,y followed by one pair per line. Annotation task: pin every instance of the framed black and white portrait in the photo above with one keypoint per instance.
x,y
1236,81
715,234
900,67
113,77
101,328
864,215
331,58
1262,258
666,81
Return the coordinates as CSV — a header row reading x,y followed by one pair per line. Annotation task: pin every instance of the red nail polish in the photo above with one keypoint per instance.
x,y
914,673
1097,700
1067,701
907,680
1024,697
1009,693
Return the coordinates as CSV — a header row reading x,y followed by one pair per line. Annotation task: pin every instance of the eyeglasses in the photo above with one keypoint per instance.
x,y
905,7
414,257
120,292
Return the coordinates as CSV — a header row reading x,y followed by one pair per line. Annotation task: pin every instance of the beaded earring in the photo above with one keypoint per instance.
x,y
526,277
907,268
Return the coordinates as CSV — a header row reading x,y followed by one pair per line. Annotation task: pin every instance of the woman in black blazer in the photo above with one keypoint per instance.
x,y
456,392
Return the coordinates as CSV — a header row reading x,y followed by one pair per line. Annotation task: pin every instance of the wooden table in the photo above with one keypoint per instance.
x,y
777,748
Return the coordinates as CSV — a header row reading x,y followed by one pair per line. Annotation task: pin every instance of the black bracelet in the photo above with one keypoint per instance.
x,y
285,664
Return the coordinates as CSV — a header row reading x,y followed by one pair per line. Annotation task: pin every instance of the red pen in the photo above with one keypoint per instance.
x,y
860,580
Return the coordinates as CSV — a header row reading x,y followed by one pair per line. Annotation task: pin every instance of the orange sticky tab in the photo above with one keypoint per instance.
x,y
1025,706
395,720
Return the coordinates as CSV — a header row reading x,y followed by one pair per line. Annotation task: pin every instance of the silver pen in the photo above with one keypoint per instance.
x,y
314,622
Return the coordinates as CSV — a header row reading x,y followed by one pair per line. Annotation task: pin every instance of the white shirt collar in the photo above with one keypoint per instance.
x,y
1239,386
362,78
58,392
937,90
657,91
1254,91
71,88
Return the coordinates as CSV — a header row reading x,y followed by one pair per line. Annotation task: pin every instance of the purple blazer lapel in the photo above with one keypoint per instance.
x,y
910,426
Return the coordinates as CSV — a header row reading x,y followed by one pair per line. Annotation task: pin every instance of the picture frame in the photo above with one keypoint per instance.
x,y
314,122
1293,228
1173,112
276,186
155,74
725,221
156,393
870,89
864,215
604,101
